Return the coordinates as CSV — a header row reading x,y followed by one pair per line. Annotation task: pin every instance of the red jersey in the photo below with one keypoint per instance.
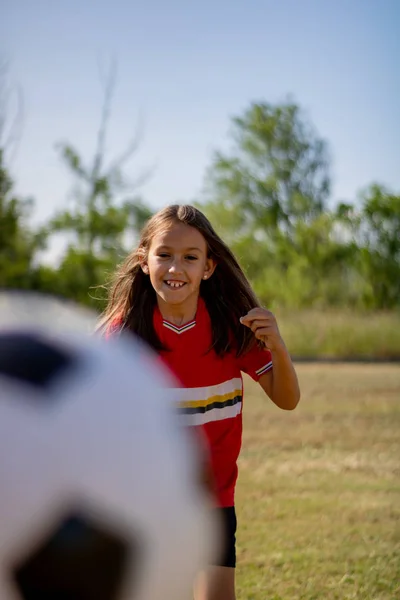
x,y
211,396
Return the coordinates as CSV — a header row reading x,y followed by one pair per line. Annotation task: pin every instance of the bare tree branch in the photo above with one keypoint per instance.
x,y
109,81
131,148
11,113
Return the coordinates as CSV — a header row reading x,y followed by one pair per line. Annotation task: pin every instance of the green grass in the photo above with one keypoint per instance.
x,y
318,497
341,334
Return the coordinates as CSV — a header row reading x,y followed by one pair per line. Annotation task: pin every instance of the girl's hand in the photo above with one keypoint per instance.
x,y
264,326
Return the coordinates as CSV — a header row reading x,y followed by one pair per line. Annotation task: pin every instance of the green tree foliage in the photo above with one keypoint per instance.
x,y
276,173
105,217
268,197
374,224
17,242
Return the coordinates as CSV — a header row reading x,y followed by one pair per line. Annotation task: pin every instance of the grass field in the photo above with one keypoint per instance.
x,y
318,496
341,334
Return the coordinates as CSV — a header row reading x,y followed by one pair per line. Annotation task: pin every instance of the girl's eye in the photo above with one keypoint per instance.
x,y
190,257
163,255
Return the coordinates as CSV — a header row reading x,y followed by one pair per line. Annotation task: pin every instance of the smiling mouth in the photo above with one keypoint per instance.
x,y
175,285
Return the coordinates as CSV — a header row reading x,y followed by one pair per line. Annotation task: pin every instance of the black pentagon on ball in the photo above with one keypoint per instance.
x,y
29,358
80,560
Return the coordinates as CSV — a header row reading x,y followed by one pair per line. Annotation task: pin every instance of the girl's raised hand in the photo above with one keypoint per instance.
x,y
264,326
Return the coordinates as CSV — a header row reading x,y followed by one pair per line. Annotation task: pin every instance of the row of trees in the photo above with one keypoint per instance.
x,y
269,197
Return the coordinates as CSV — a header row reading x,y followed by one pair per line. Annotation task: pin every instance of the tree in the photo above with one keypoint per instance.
x,y
268,199
375,227
18,243
105,215
276,174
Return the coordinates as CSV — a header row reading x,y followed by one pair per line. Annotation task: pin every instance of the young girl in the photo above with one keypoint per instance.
x,y
184,293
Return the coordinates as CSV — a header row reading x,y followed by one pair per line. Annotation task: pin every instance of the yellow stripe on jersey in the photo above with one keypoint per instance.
x,y
210,400
208,394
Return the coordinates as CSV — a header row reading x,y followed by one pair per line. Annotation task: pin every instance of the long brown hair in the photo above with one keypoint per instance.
x,y
227,294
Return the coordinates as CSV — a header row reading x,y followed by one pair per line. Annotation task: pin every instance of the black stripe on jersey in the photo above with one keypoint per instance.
x,y
203,409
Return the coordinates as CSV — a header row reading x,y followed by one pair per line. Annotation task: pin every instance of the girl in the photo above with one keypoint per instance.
x,y
183,292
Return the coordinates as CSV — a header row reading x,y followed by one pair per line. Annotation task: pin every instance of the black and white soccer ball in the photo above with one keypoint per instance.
x,y
101,490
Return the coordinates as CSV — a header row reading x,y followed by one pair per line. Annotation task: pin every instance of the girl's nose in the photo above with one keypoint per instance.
x,y
175,266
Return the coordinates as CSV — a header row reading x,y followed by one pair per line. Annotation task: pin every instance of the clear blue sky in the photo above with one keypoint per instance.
x,y
187,68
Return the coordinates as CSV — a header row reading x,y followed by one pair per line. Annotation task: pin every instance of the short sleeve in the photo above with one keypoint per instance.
x,y
256,362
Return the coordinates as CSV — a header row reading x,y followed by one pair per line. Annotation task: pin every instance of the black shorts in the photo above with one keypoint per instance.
x,y
229,524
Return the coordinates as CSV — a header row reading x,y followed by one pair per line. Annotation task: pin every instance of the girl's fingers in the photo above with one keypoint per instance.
x,y
251,321
263,332
257,313
255,325
261,323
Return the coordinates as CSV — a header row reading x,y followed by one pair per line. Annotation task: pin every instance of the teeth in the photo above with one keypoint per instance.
x,y
174,284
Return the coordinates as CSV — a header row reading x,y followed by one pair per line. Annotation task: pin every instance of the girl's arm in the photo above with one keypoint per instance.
x,y
280,383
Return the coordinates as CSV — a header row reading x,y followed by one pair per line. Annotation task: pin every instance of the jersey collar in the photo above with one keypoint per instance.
x,y
179,330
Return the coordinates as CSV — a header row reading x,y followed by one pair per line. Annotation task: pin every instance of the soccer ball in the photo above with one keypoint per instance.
x,y
102,495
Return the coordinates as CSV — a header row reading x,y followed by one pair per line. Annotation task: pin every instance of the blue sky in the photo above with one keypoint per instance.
x,y
186,69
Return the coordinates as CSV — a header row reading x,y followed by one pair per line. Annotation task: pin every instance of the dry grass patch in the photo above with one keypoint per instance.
x,y
319,488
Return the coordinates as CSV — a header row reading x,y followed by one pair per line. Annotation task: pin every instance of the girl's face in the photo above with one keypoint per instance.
x,y
177,263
